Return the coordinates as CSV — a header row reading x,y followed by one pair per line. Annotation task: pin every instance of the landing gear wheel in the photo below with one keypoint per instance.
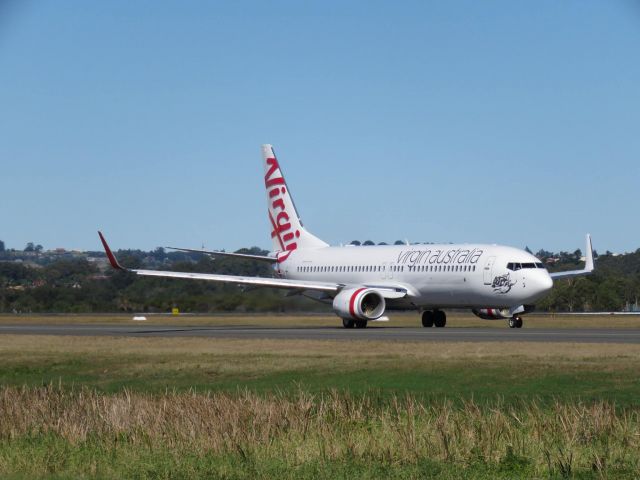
x,y
439,318
512,322
348,323
361,324
427,318
518,322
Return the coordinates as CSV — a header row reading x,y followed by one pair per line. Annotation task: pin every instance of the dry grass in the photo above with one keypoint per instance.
x,y
454,319
335,427
27,346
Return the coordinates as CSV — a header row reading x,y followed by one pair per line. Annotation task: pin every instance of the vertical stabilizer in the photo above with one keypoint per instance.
x,y
287,232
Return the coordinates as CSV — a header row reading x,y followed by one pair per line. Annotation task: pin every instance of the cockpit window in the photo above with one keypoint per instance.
x,y
539,265
517,266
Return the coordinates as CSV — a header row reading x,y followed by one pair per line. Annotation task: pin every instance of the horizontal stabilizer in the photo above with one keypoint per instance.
x,y
216,253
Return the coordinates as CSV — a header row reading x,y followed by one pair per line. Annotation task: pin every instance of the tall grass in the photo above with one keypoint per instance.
x,y
52,430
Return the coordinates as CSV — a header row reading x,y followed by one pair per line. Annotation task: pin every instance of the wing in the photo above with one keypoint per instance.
x,y
389,291
255,281
215,253
588,266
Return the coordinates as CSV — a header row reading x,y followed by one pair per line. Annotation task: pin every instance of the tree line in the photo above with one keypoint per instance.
x,y
83,285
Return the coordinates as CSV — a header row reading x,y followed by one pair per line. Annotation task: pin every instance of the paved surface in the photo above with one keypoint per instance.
x,y
386,333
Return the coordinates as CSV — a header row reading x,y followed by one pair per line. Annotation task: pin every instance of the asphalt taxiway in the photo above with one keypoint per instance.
x,y
378,333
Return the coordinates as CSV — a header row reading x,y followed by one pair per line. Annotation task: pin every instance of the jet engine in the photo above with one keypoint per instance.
x,y
359,304
492,313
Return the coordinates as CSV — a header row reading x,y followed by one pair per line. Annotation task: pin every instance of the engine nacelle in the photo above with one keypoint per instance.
x,y
492,313
359,304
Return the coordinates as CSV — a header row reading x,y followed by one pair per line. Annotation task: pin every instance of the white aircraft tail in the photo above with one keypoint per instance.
x,y
287,232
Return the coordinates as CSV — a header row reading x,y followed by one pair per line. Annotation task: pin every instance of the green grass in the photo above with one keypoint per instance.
x,y
53,457
510,378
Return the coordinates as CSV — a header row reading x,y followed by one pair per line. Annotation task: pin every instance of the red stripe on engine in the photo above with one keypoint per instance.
x,y
352,302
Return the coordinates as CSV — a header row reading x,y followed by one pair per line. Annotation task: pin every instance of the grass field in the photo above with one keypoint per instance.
x,y
74,407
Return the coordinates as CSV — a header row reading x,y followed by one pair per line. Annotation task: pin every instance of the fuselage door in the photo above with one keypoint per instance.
x,y
487,272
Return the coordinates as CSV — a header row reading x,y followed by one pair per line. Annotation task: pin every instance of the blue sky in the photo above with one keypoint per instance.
x,y
500,121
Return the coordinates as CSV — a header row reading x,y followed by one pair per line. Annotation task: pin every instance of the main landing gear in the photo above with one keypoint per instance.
x,y
350,323
515,322
434,317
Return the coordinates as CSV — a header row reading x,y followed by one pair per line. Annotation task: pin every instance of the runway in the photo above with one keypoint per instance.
x,y
386,333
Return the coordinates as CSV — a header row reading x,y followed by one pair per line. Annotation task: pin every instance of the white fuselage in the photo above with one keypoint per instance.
x,y
437,276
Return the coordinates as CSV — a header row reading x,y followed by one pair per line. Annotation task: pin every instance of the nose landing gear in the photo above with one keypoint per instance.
x,y
515,322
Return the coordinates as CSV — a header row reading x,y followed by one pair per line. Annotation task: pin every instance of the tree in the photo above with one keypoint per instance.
x,y
528,250
30,247
39,248
356,243
368,242
1,246
542,254
398,242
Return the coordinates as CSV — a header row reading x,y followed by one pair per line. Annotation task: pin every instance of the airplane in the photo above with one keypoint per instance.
x,y
363,283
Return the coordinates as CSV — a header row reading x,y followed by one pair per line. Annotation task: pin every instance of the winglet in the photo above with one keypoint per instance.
x,y
588,264
112,258
589,255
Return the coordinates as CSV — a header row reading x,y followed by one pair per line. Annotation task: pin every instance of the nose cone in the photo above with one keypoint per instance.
x,y
542,284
